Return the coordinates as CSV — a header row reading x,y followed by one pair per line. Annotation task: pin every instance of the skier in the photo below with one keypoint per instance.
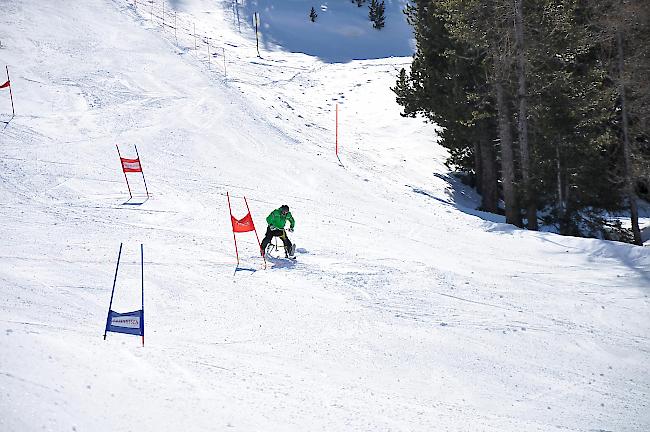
x,y
277,220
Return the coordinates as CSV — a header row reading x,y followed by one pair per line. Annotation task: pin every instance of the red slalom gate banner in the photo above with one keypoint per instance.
x,y
132,166
243,225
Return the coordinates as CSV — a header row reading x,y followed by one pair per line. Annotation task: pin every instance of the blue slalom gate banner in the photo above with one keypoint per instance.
x,y
126,322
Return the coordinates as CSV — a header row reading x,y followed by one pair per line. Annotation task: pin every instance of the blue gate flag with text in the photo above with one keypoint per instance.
x,y
128,322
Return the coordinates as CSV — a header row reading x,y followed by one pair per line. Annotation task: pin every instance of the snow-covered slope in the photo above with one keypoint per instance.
x,y
404,311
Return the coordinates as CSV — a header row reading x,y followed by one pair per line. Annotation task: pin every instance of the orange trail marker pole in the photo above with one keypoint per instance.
x,y
337,130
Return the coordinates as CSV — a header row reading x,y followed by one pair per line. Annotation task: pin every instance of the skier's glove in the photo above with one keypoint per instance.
x,y
290,229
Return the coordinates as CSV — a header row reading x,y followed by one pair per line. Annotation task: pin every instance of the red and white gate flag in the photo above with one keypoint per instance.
x,y
7,84
131,165
244,224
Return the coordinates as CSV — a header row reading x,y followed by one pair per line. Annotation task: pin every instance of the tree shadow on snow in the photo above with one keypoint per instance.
x,y
465,199
461,197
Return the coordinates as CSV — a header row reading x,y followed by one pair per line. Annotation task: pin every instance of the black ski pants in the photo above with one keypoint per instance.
x,y
273,232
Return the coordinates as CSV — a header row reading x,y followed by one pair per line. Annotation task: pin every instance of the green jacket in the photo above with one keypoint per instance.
x,y
277,220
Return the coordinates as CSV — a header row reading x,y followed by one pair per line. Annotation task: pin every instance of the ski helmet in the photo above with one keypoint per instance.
x,y
284,208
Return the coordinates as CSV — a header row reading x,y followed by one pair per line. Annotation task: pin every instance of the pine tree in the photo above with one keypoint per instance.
x,y
487,29
447,84
568,107
381,16
313,15
522,117
372,10
624,30
377,14
538,88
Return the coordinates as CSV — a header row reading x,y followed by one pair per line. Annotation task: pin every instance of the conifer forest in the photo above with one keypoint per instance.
x,y
543,106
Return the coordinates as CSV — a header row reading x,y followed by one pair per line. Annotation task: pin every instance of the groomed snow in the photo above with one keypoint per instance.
x,y
406,310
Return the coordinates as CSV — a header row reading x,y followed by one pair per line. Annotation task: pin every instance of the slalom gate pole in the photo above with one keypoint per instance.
x,y
233,231
337,134
110,305
256,236
125,177
11,95
256,17
337,130
141,170
142,272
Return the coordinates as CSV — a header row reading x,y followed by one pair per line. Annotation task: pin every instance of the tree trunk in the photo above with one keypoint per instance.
x,y
522,124
627,152
478,169
489,193
561,192
513,215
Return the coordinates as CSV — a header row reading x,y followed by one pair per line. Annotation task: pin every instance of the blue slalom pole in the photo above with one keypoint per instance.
x,y
108,317
142,272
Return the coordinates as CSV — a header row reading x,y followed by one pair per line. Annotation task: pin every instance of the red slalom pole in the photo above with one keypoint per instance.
x,y
141,170
11,95
256,236
234,237
125,177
